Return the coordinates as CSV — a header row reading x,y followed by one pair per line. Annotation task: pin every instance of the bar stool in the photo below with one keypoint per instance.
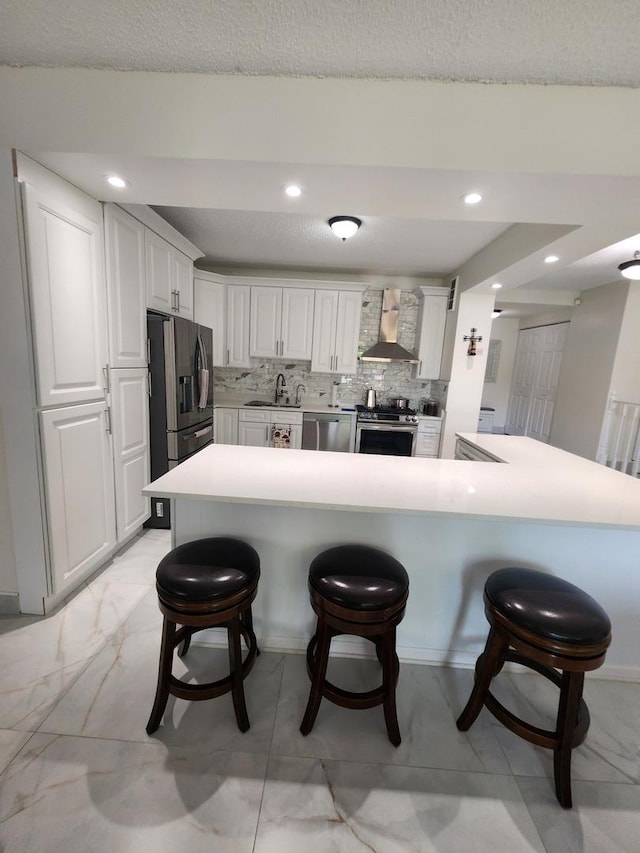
x,y
206,584
546,624
362,591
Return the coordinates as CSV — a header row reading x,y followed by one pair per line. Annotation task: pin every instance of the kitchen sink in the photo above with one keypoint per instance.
x,y
274,405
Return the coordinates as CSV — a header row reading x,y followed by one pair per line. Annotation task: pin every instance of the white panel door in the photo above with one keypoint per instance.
x,y
254,434
297,323
521,385
265,325
550,344
347,332
160,273
126,288
238,313
79,490
65,260
324,331
130,424
183,283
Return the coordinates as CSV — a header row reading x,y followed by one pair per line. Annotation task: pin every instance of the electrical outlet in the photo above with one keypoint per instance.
x,y
159,510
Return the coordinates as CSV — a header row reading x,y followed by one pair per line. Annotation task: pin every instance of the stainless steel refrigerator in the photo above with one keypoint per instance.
x,y
180,397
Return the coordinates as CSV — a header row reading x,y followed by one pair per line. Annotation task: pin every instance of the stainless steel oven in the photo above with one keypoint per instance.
x,y
386,431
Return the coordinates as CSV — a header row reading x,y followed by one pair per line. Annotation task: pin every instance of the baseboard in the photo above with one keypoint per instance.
x,y
9,603
356,647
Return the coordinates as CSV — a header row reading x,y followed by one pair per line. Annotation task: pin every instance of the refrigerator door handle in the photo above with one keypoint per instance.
x,y
202,432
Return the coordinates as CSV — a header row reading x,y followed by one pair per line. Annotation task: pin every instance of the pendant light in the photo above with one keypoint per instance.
x,y
344,226
631,269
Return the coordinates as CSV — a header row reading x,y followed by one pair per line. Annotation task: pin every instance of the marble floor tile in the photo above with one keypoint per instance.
x,y
426,713
611,752
11,742
41,657
82,794
114,695
320,806
137,562
605,817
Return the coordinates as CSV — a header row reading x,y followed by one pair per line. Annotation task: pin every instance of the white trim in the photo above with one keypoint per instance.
x,y
161,227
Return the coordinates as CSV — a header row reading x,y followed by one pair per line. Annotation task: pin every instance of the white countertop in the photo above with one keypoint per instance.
x,y
539,483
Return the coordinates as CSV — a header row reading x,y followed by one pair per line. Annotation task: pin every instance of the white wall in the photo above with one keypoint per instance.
x,y
625,379
496,394
587,368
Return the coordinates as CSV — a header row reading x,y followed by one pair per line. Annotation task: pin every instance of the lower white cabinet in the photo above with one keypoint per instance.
x,y
130,426
79,490
255,428
225,426
427,441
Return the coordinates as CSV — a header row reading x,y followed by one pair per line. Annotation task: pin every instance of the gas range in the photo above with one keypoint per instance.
x,y
387,415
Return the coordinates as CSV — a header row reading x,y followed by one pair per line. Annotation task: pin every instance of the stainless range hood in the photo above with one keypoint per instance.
x,y
388,349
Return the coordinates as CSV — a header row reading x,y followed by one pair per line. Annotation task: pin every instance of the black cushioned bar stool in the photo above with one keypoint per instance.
x,y
554,628
362,591
208,583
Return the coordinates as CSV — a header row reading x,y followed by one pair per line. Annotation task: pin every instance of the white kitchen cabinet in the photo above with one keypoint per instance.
x,y
427,442
126,288
130,427
225,426
79,490
281,323
255,427
65,258
224,308
169,275
432,314
336,329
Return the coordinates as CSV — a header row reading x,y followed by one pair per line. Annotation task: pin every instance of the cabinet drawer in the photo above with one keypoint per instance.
x,y
286,417
259,416
427,444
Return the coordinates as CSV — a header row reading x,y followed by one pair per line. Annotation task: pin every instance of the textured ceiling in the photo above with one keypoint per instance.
x,y
589,42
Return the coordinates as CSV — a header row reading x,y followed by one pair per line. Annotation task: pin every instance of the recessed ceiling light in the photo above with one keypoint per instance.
x,y
496,313
293,190
496,286
472,198
116,181
551,259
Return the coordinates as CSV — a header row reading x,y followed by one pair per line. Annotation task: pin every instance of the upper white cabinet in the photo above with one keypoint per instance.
x,y
169,275
126,288
224,308
432,314
281,322
65,257
130,427
79,489
336,329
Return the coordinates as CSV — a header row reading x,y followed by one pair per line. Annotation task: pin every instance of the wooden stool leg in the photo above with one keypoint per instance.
x,y
488,662
389,679
235,664
183,648
247,619
323,636
164,672
570,696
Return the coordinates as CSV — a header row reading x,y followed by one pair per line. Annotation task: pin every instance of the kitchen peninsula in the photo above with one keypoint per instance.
x,y
449,522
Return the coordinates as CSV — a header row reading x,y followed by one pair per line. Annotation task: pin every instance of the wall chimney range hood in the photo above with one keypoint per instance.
x,y
388,350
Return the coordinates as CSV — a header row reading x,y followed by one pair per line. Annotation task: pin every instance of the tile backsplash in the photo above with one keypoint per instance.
x,y
389,380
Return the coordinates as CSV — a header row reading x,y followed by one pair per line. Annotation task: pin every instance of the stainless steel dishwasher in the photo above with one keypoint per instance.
x,y
328,432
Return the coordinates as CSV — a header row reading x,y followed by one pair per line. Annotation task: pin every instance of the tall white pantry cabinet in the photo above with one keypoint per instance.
x,y
90,372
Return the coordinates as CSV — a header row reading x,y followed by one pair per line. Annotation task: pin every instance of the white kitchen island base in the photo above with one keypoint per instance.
x,y
448,561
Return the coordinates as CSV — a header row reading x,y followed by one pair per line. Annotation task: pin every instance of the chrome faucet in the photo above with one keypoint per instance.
x,y
281,384
299,388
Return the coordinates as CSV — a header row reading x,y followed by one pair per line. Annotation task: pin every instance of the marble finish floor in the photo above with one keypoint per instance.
x,y
80,774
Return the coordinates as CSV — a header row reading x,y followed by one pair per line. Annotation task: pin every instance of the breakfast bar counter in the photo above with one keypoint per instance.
x,y
449,522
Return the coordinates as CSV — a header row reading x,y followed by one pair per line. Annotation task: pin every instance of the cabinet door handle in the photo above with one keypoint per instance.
x,y
105,373
281,347
107,420
149,383
177,300
228,359
148,350
277,348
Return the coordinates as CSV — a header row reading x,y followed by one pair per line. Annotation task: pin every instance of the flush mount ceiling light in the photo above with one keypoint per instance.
x,y
631,269
472,198
496,313
496,286
293,190
551,259
344,226
116,181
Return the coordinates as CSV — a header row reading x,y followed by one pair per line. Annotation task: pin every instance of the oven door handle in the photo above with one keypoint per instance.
x,y
388,427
